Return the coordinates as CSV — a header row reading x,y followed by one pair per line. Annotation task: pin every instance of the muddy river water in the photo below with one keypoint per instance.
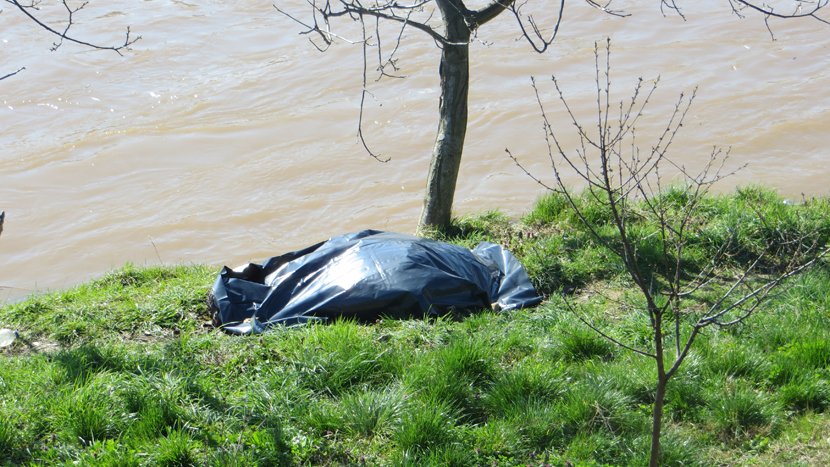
x,y
224,136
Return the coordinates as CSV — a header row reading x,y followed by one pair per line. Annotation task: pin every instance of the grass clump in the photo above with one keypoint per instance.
x,y
122,371
371,412
176,449
739,411
427,426
131,302
91,411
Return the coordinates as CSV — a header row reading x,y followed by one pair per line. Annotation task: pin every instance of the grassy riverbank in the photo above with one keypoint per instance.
x,y
125,371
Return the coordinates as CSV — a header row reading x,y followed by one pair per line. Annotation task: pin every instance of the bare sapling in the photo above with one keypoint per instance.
x,y
654,224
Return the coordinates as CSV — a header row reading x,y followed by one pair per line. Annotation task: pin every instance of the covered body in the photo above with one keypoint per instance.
x,y
368,275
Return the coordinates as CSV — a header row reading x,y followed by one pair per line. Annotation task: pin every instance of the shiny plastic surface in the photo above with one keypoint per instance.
x,y
369,275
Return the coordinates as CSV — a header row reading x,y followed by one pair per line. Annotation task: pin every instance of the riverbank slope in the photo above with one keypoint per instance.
x,y
126,370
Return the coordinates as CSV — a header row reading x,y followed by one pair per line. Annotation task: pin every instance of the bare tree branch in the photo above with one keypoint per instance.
x,y
672,6
798,10
538,41
617,342
363,100
64,35
489,12
13,73
769,11
324,12
605,8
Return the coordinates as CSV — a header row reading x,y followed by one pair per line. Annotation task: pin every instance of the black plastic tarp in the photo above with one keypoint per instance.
x,y
368,275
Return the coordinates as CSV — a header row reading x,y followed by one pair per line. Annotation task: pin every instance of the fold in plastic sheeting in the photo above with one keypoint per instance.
x,y
366,276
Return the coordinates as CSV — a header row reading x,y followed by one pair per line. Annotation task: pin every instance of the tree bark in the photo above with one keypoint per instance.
x,y
660,395
657,422
452,125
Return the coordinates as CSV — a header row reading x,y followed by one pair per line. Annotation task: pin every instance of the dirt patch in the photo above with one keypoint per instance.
x,y
23,347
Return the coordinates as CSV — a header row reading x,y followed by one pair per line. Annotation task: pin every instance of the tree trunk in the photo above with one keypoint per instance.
x,y
452,124
660,395
657,422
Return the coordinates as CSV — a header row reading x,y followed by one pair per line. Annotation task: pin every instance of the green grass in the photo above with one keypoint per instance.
x,y
123,371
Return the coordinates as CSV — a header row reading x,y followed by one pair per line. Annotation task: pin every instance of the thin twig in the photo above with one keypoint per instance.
x,y
12,74
64,36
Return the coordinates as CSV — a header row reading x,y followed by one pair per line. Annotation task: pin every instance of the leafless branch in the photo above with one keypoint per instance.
x,y
324,11
486,14
599,331
798,9
363,99
769,11
64,35
606,8
12,74
391,60
672,6
758,293
537,40
527,172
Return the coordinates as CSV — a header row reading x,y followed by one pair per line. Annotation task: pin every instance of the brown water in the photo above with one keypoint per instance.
x,y
225,137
